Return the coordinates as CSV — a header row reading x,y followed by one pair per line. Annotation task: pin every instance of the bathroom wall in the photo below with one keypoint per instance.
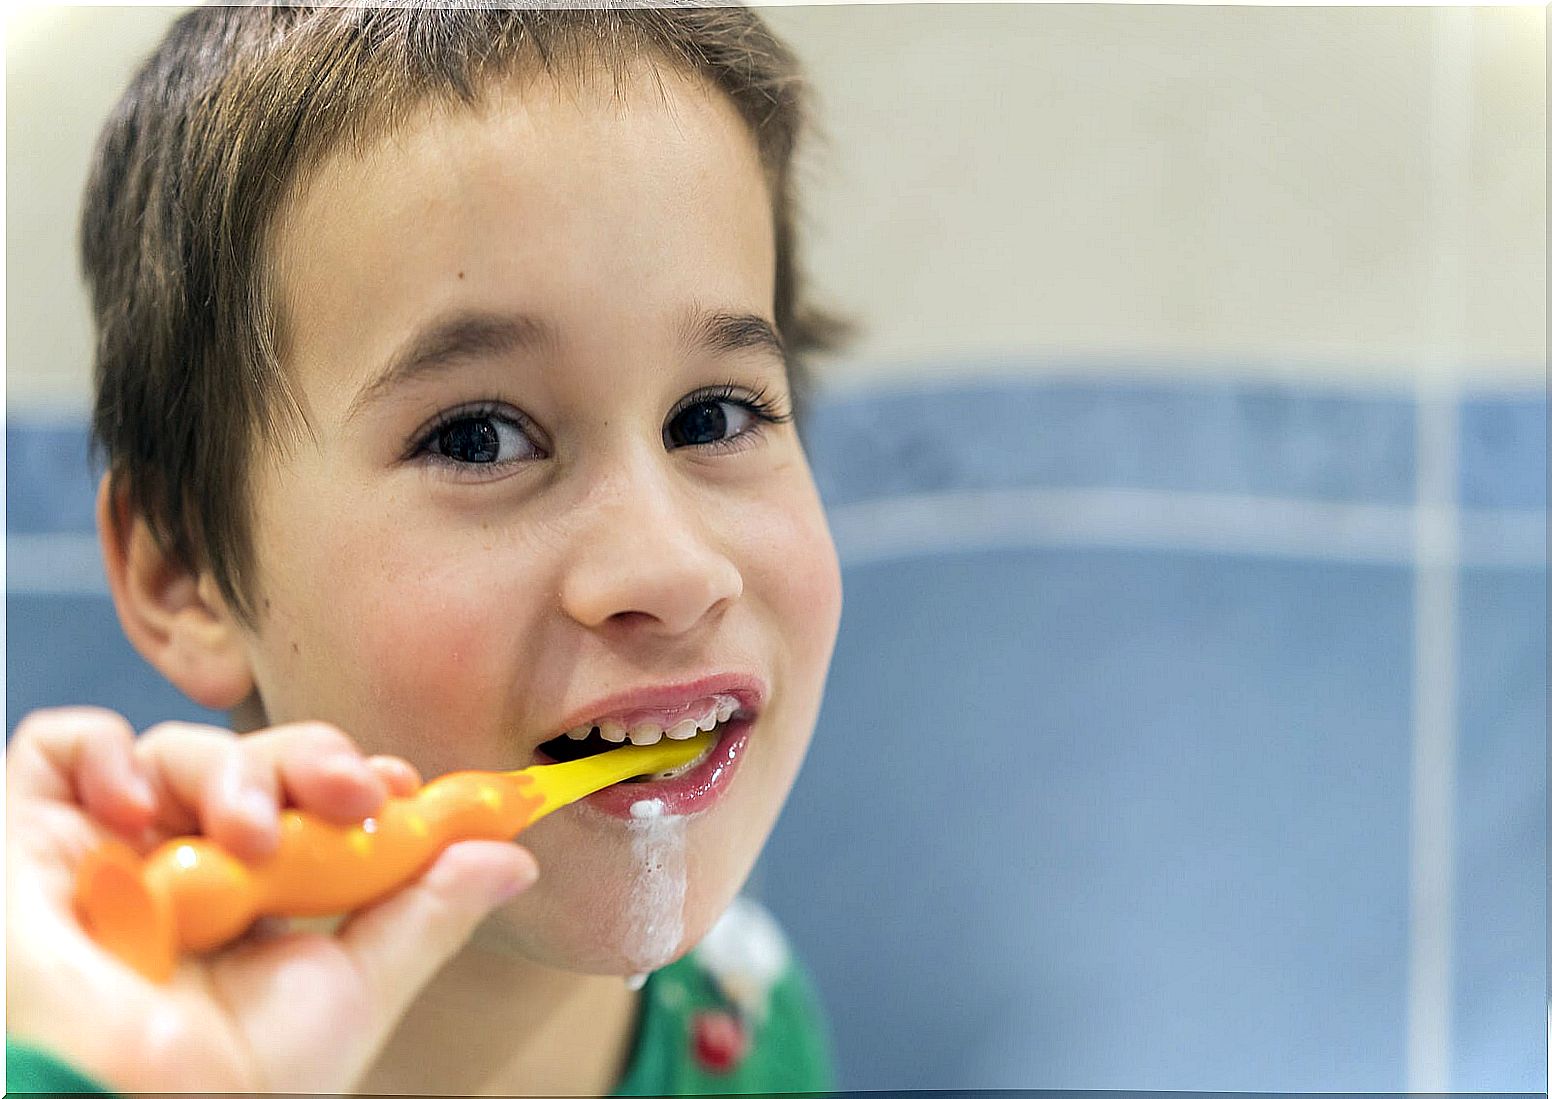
x,y
1188,471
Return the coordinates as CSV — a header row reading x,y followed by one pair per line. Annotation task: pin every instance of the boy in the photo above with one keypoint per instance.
x,y
447,365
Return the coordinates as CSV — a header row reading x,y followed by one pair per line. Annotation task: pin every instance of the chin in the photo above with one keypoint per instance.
x,y
623,907
621,898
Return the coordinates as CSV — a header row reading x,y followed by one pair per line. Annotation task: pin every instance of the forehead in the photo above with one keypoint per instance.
x,y
600,206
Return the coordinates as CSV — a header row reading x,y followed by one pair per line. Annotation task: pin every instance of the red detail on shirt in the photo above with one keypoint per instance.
x,y
720,1041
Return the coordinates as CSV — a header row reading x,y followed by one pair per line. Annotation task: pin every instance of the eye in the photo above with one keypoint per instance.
x,y
477,437
721,417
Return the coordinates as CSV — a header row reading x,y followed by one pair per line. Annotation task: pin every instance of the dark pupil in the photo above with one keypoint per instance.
x,y
471,441
699,424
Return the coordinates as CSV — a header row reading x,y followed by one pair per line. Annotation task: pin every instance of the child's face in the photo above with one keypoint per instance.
x,y
595,514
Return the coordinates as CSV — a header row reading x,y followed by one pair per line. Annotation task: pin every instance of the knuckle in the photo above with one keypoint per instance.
x,y
441,901
193,756
321,737
185,732
82,722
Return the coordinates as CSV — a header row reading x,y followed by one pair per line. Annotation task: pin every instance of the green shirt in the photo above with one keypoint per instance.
x,y
731,1020
685,1010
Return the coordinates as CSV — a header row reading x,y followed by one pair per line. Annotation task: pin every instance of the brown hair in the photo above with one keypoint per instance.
x,y
216,131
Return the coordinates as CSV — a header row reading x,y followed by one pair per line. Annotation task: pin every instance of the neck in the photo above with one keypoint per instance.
x,y
494,1023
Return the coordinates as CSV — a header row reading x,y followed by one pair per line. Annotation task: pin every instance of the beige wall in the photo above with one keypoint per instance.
x,y
1253,190
1237,188
65,68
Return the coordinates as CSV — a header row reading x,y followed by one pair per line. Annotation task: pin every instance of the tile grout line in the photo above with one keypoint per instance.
x,y
905,527
1436,581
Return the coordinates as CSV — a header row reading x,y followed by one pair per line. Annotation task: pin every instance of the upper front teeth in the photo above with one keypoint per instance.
x,y
721,708
609,730
650,733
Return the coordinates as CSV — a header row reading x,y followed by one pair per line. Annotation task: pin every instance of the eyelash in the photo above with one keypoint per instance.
x,y
760,405
764,408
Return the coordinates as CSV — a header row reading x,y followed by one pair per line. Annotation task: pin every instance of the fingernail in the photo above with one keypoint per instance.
x,y
351,767
139,790
497,888
247,800
259,808
511,887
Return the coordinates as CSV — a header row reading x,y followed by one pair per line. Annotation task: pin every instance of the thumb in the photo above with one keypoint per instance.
x,y
399,944
311,1030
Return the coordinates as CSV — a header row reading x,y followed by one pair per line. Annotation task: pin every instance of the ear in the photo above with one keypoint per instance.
x,y
176,618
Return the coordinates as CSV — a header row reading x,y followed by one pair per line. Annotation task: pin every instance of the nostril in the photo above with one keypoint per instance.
x,y
630,618
648,587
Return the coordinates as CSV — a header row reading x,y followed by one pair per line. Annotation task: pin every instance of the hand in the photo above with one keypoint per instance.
x,y
280,1009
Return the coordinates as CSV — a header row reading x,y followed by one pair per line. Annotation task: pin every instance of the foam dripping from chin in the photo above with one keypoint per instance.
x,y
656,903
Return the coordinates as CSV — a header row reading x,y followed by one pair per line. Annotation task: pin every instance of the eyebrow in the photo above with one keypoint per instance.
x,y
724,333
452,340
467,336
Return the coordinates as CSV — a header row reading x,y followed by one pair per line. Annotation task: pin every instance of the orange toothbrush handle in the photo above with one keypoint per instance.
x,y
190,894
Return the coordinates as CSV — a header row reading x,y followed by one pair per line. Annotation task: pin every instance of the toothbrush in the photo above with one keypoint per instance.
x,y
191,895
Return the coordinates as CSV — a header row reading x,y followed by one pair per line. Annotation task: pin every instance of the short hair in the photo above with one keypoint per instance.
x,y
222,124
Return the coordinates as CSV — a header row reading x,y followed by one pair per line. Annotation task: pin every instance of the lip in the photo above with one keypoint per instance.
x,y
667,702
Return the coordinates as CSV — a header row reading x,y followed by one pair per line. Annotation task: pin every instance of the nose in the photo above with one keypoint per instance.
x,y
645,551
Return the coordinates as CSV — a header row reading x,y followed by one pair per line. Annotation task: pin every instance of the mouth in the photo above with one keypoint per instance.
x,y
679,792
715,714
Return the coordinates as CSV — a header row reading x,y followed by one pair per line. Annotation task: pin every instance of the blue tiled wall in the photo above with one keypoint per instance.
x,y
1133,814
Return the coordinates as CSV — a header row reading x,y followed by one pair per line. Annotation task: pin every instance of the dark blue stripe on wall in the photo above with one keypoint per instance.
x,y
76,654
49,484
1503,452
1226,437
1253,439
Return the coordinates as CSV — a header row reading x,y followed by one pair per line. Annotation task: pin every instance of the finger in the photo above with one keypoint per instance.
x,y
237,783
240,805
342,994
399,944
399,775
82,755
110,783
324,772
211,782
50,830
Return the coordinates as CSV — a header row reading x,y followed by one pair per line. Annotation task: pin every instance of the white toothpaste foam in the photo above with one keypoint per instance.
x,y
657,893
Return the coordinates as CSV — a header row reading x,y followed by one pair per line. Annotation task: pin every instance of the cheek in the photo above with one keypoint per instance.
x,y
426,640
801,578
408,650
